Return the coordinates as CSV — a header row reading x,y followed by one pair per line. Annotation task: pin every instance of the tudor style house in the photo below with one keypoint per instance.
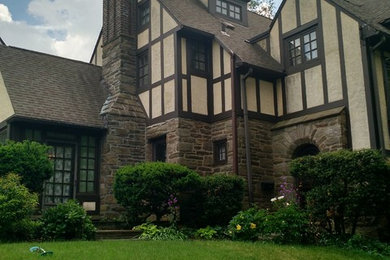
x,y
206,84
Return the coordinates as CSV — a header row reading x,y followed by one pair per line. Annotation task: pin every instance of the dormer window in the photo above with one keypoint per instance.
x,y
229,9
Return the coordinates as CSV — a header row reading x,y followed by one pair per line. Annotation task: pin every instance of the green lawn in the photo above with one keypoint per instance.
x,y
129,249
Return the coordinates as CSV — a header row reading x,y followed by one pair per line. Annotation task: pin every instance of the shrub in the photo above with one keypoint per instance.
x,y
221,198
67,221
153,232
248,224
372,246
29,160
209,233
17,205
345,186
146,188
288,224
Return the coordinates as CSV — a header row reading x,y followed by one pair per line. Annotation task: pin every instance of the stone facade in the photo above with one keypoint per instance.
x,y
122,112
328,134
261,158
190,143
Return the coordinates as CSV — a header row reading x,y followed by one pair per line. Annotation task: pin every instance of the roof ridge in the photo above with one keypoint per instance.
x,y
51,55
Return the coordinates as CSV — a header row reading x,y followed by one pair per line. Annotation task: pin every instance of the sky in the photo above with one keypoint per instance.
x,y
66,28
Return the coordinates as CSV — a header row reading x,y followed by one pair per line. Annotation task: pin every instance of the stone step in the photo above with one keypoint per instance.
x,y
117,234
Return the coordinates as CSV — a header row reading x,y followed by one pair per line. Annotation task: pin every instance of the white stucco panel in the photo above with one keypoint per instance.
x,y
294,93
6,108
314,87
355,83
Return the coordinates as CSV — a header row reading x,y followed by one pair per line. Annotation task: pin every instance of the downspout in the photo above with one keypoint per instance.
x,y
247,139
234,114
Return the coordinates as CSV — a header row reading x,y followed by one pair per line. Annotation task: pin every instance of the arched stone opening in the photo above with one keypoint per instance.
x,y
304,150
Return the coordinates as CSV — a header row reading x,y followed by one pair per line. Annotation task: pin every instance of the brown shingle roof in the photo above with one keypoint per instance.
x,y
372,12
50,88
193,14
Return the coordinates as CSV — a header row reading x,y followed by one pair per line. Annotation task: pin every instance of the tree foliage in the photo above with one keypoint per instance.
x,y
28,159
262,7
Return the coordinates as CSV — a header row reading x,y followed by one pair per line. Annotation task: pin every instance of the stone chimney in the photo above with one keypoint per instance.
x,y
122,113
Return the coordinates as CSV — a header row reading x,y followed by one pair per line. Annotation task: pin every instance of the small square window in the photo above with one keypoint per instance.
x,y
220,152
143,15
228,9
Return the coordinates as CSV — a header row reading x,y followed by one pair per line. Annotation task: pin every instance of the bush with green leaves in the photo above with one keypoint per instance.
x,y
28,159
146,188
248,224
209,233
67,221
345,186
370,245
153,232
221,198
287,224
17,205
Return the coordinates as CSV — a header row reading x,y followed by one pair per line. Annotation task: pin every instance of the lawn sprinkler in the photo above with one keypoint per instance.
x,y
40,251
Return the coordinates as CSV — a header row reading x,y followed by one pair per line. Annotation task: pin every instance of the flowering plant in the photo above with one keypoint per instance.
x,y
173,208
247,225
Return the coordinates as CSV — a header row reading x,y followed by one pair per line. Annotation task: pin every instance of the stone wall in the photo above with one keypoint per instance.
x,y
261,157
190,143
328,134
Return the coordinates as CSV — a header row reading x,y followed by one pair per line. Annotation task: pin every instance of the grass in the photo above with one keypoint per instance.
x,y
129,249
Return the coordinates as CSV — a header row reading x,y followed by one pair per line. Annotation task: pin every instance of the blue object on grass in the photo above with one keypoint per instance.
x,y
40,251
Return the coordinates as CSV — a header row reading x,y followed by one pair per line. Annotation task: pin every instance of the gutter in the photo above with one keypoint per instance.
x,y
247,137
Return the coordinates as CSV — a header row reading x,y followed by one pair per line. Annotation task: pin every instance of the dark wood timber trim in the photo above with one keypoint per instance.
x,y
162,63
221,52
234,114
343,75
284,97
258,106
321,48
372,118
276,107
303,89
178,75
313,110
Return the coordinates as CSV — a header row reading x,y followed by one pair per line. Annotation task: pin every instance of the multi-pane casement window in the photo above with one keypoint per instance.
x,y
87,165
143,69
230,10
143,15
220,152
302,48
199,57
159,149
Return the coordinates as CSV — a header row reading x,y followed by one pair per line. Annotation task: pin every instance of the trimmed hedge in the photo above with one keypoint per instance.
x,y
222,197
28,159
146,188
344,186
67,221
